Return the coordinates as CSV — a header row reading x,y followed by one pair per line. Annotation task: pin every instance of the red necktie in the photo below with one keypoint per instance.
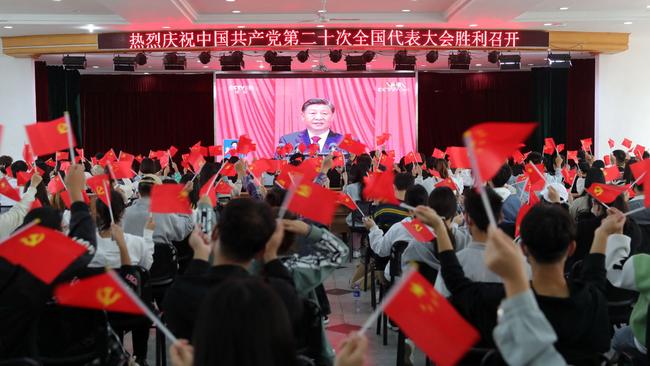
x,y
315,139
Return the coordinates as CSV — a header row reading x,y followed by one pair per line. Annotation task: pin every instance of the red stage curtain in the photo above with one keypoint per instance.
x,y
136,113
449,103
581,95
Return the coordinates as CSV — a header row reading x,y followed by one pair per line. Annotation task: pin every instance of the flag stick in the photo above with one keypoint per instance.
x,y
159,324
521,196
108,198
637,180
407,206
70,143
62,182
635,211
357,206
387,299
211,184
540,173
474,162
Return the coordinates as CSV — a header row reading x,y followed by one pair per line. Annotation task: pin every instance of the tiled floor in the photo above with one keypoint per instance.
x,y
343,320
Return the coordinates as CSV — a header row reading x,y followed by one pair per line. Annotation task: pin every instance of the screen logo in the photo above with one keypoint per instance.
x,y
392,87
240,89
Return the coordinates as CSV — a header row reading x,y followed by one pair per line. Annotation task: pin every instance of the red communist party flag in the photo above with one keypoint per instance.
x,y
169,198
351,146
104,292
313,201
8,191
428,319
48,137
345,200
380,187
99,184
494,142
418,230
611,173
228,170
43,252
458,158
606,193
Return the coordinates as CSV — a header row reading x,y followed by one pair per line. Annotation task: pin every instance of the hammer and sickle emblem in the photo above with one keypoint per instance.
x,y
100,190
598,191
182,195
62,128
107,296
33,239
417,227
304,191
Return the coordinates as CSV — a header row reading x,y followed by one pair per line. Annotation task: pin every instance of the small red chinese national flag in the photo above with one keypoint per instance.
x,y
383,139
627,143
458,158
228,170
611,173
494,142
197,160
345,200
536,180
641,171
260,166
560,147
172,151
80,155
105,292
569,175
418,230
607,160
572,155
125,156
48,137
99,184
51,163
429,320
7,190
518,157
586,144
606,193
434,173
244,145
44,252
169,198
139,158
302,147
522,213
313,201
28,154
36,204
67,201
61,155
351,146
611,143
223,188
639,150
56,185
208,190
121,170
215,150
379,187
313,149
438,154
447,182
386,160
23,177
549,146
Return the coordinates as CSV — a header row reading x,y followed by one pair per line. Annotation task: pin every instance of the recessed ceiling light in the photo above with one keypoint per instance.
x,y
146,73
320,26
479,65
8,27
205,67
95,67
531,64
259,61
647,6
261,66
473,25
90,27
57,1
236,11
230,1
627,23
314,60
322,11
399,25
406,10
564,8
241,26
165,27
548,24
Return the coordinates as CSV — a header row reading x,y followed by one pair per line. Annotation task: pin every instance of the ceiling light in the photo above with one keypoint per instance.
x,y
165,27
95,67
7,27
302,56
146,73
90,27
548,24
402,61
57,1
320,26
479,65
627,23
406,10
647,6
322,11
336,55
233,62
473,25
432,56
141,59
241,26
531,64
236,11
122,63
564,8
399,25
230,1
459,60
261,66
74,62
204,57
205,66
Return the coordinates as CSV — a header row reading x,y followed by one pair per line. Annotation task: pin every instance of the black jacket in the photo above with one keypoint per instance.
x,y
183,299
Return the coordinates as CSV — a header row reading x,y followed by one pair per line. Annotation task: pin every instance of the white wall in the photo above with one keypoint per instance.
x,y
623,95
17,102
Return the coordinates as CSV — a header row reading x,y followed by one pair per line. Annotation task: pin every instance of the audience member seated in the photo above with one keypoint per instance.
x,y
581,206
387,214
246,230
11,219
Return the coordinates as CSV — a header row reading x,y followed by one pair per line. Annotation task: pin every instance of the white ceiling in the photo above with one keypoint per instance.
x,y
29,17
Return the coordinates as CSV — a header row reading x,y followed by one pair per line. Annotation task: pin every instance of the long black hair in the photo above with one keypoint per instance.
x,y
103,218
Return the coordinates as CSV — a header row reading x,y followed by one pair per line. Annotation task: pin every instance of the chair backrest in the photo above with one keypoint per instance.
x,y
165,264
645,241
395,263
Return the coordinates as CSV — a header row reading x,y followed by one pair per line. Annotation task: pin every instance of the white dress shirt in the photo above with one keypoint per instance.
x,y
140,251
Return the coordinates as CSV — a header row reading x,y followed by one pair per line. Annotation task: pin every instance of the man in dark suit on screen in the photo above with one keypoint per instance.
x,y
317,114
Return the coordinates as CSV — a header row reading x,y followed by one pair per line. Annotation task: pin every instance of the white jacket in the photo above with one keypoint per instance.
x,y
13,218
140,251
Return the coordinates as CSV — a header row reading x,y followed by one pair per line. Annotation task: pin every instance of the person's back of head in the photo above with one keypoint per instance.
x,y
403,181
620,156
475,210
547,233
598,164
275,196
103,214
243,229
47,216
243,322
583,166
364,159
534,157
443,201
147,166
416,195
18,166
5,161
594,175
502,177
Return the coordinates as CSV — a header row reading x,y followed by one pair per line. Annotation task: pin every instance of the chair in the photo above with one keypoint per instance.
x,y
395,270
184,253
358,228
162,273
